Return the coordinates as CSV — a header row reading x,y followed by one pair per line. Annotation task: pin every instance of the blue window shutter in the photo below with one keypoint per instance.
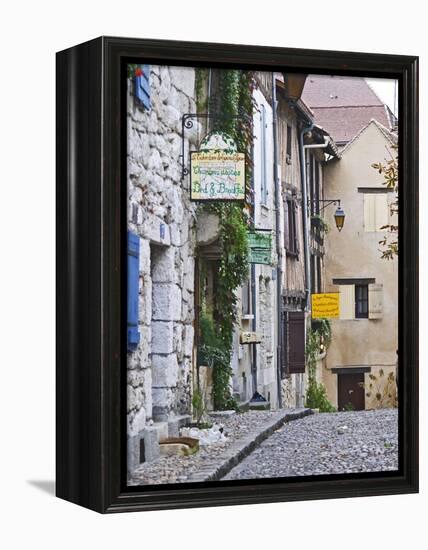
x,y
133,290
142,87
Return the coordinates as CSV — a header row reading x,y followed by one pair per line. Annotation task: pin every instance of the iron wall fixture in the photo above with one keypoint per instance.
x,y
339,215
187,123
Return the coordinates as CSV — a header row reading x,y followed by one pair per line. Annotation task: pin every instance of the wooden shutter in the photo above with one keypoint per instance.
x,y
286,226
283,336
375,301
142,87
132,290
369,212
296,228
376,213
296,342
381,210
347,301
263,179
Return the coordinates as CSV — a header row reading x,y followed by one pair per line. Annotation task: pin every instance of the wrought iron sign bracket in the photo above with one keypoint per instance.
x,y
326,202
187,122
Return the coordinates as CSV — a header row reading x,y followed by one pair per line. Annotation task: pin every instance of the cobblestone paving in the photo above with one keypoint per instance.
x,y
240,429
328,443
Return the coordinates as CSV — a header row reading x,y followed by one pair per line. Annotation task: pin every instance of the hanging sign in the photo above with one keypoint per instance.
x,y
325,306
260,256
250,338
217,170
260,239
260,247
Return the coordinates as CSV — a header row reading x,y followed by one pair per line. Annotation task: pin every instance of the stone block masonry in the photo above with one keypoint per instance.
x,y
160,212
166,305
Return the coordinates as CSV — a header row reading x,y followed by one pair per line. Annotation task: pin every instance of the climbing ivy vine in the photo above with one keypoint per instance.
x,y
235,91
318,339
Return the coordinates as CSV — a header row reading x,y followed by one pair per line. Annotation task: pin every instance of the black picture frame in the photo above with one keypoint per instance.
x,y
91,238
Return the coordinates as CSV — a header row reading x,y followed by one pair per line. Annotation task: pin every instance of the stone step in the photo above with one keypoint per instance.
x,y
244,406
177,422
259,405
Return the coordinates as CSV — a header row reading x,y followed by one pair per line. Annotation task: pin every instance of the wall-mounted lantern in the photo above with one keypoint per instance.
x,y
339,215
339,218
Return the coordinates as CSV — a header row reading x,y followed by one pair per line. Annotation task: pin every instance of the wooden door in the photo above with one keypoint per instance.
x,y
350,392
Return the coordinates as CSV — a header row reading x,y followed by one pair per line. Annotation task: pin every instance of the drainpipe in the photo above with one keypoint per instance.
x,y
318,145
304,186
303,182
304,130
306,205
254,327
278,240
253,295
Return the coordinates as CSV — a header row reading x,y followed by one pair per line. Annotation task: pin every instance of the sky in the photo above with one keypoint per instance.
x,y
385,90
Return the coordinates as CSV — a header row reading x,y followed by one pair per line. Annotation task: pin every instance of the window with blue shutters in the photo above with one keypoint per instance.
x,y
142,86
263,159
133,290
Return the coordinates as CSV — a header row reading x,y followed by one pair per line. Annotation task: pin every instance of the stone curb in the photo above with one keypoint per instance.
x,y
242,448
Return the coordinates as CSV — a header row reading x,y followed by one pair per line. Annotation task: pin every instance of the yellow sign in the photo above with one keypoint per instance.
x,y
325,306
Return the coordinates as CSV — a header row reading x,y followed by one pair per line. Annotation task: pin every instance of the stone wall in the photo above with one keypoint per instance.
x,y
159,211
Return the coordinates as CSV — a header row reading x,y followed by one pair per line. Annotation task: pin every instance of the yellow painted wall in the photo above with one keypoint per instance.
x,y
354,253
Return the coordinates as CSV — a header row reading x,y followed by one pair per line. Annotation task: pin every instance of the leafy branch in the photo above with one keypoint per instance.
x,y
389,171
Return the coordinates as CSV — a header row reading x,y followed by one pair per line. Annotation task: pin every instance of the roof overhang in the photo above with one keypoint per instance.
x,y
319,135
294,84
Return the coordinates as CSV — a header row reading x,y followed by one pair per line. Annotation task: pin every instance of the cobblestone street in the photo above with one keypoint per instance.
x,y
329,443
243,433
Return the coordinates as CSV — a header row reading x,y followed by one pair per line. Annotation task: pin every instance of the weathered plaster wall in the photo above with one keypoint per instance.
x,y
264,286
355,253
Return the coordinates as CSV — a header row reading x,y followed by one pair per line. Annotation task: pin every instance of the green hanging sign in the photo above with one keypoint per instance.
x,y
260,246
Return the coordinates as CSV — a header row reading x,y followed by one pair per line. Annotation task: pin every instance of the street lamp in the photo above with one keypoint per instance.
x,y
339,218
339,215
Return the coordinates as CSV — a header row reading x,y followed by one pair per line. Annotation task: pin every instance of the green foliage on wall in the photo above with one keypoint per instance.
x,y
201,76
236,98
317,340
214,354
233,266
389,171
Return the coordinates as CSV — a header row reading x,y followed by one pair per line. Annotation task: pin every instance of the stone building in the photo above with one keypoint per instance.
x,y
274,368
304,148
162,218
254,365
364,338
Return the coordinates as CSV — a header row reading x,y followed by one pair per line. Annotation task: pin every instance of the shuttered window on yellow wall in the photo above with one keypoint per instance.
x,y
347,301
375,211
375,301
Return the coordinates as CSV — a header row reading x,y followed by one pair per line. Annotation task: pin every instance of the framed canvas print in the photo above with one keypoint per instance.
x,y
237,311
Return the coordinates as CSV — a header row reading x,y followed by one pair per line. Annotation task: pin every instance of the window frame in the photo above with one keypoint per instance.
x,y
246,291
359,301
289,143
291,246
263,171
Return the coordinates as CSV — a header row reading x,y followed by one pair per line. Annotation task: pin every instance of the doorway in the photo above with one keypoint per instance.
x,y
350,391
